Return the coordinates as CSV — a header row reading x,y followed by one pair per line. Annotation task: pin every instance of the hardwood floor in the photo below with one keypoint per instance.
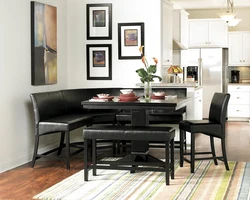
x,y
23,182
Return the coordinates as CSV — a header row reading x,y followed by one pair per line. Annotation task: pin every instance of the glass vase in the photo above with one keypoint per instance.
x,y
147,90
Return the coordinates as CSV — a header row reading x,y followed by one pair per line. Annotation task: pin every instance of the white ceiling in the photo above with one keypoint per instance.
x,y
204,4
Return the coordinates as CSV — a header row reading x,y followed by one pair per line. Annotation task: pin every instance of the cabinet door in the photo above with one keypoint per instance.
x,y
198,33
167,33
235,49
238,111
246,49
198,108
239,98
184,29
218,34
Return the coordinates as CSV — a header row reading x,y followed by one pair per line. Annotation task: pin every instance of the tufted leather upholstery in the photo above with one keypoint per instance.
x,y
213,127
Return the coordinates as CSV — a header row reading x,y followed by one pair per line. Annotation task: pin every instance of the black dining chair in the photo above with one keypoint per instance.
x,y
213,127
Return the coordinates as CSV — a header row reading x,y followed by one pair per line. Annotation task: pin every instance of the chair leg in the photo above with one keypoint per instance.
x,y
67,150
94,156
35,150
182,132
172,158
192,153
86,144
61,143
185,141
167,163
223,146
213,149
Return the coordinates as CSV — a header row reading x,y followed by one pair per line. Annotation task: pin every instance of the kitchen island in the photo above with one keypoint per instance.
x,y
191,90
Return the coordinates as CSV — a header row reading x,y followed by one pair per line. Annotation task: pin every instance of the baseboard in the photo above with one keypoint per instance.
x,y
240,119
23,159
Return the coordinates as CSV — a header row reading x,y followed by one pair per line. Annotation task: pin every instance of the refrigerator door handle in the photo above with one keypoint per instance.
x,y
200,71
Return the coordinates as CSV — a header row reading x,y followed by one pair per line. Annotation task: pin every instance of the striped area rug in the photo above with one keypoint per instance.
x,y
208,182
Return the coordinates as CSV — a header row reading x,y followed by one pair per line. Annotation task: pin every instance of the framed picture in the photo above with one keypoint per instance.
x,y
99,61
99,21
43,44
130,38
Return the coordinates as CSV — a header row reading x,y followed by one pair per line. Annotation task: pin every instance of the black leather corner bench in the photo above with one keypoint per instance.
x,y
61,112
134,161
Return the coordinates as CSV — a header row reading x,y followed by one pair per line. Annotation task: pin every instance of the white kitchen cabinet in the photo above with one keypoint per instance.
x,y
167,33
239,102
195,106
198,105
208,33
239,49
180,30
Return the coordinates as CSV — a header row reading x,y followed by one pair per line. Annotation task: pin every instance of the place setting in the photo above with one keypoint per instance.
x,y
102,98
127,95
158,95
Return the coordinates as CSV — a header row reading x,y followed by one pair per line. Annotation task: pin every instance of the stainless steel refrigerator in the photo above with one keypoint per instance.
x,y
212,64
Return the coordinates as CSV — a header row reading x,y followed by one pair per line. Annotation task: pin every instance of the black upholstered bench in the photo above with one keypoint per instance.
x,y
134,161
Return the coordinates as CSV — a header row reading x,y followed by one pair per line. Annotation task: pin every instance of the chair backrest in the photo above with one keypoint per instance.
x,y
218,108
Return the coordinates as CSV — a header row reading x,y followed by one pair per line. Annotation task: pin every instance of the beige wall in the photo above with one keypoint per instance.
x,y
242,13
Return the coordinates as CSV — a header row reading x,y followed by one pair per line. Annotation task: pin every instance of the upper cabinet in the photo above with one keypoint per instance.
x,y
167,32
180,30
208,33
239,49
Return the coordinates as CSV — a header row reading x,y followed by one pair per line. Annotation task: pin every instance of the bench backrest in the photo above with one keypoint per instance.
x,y
74,97
48,105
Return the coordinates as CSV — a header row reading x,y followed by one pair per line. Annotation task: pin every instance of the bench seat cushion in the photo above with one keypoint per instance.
x,y
129,133
64,123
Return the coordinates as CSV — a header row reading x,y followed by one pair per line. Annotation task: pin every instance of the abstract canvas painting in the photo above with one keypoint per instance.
x,y
43,44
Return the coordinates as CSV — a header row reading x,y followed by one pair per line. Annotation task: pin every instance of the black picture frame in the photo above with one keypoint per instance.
x,y
99,21
99,61
130,38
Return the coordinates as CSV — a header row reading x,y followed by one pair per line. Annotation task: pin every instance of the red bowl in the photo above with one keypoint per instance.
x,y
132,94
128,99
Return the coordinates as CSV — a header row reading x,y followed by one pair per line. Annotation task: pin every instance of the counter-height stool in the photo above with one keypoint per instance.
x,y
214,127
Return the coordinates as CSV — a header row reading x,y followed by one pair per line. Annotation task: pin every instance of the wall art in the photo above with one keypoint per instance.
x,y
99,21
130,38
99,61
43,44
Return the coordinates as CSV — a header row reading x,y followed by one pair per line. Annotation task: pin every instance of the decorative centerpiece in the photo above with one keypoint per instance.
x,y
146,74
175,70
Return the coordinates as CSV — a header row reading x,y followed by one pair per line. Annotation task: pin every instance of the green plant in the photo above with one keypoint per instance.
x,y
146,74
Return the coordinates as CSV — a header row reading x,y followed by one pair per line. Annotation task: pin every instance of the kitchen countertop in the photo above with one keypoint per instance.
x,y
237,84
172,85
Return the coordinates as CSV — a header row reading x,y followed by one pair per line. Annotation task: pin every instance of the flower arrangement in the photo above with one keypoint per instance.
x,y
146,74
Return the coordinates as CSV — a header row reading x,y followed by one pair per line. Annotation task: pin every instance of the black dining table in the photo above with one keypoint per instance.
x,y
140,110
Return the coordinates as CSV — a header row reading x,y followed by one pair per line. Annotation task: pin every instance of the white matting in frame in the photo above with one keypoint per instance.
x,y
99,62
99,21
130,38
